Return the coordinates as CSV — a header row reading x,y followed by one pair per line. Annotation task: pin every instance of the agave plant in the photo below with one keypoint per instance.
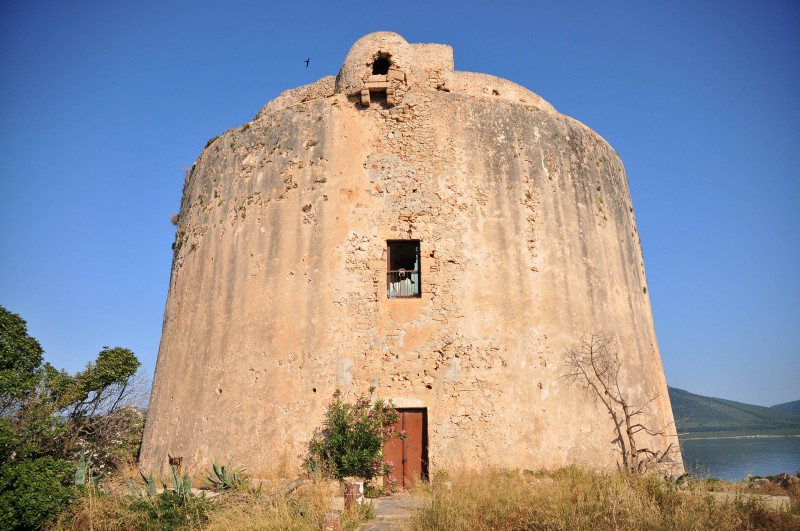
x,y
181,486
226,477
84,474
149,490
82,471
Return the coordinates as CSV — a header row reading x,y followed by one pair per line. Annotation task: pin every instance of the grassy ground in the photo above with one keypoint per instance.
x,y
567,498
571,498
113,506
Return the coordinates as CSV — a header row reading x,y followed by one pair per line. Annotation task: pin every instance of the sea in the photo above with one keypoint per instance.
x,y
735,458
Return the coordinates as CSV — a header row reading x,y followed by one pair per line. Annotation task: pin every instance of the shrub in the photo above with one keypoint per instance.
x,y
174,508
351,442
33,492
8,440
169,510
20,357
49,418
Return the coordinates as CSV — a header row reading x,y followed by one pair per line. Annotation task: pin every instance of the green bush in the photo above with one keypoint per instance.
x,y
8,440
170,510
174,508
49,418
20,357
33,492
351,443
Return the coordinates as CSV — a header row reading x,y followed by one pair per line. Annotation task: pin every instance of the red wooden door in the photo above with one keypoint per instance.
x,y
409,454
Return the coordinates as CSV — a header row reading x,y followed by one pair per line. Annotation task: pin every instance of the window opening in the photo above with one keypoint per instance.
x,y
378,96
403,274
381,66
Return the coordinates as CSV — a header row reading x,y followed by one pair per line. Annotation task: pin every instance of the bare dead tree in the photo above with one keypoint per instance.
x,y
594,364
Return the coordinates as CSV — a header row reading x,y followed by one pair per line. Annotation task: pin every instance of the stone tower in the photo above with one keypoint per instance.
x,y
442,236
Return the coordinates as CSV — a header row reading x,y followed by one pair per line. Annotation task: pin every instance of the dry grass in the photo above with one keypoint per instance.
x,y
304,510
567,498
112,508
104,507
571,498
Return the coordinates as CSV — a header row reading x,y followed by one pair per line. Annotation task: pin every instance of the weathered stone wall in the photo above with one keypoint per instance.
x,y
278,289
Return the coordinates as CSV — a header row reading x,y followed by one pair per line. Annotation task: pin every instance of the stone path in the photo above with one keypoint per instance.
x,y
392,512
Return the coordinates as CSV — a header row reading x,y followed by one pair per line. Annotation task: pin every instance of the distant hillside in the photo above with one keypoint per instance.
x,y
788,407
696,415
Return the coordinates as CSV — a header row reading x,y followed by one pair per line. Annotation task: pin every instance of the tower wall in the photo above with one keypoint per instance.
x,y
278,293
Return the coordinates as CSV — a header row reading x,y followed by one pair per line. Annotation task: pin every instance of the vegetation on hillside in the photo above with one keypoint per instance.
x,y
697,415
788,407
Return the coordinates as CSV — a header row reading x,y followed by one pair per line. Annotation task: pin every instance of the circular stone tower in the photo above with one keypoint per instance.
x,y
445,237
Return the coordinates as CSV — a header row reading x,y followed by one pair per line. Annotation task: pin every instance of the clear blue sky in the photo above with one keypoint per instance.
x,y
102,105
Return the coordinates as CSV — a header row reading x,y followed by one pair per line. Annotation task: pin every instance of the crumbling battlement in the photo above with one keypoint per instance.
x,y
322,88
422,66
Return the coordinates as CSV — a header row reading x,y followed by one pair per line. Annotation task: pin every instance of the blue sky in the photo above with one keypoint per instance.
x,y
102,105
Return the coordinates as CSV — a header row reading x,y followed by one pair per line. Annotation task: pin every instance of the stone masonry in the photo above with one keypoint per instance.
x,y
278,294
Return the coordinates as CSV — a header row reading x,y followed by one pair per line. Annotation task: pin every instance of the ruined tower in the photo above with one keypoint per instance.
x,y
442,236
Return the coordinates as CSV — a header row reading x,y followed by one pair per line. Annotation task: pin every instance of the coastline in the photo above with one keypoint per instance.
x,y
734,458
683,438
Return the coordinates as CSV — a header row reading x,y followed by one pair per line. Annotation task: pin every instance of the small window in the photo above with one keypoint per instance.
x,y
381,65
403,275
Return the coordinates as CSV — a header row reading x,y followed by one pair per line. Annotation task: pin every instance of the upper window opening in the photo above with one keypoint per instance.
x,y
381,66
403,274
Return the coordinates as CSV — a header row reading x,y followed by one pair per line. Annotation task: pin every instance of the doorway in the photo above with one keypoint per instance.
x,y
410,454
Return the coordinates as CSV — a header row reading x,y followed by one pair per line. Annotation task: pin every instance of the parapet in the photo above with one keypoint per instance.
x,y
383,66
321,88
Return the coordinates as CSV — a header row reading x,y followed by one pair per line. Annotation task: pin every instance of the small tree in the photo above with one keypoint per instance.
x,y
351,442
49,418
65,415
93,398
20,358
594,364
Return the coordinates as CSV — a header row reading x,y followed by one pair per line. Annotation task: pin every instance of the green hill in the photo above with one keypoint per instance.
x,y
788,407
697,416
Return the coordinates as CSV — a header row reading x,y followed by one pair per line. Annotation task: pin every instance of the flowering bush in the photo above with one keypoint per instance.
x,y
351,442
390,484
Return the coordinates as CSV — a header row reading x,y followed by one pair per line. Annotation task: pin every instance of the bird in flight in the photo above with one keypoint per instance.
x,y
308,61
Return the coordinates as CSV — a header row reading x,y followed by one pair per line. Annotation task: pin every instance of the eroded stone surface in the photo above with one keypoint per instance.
x,y
278,293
